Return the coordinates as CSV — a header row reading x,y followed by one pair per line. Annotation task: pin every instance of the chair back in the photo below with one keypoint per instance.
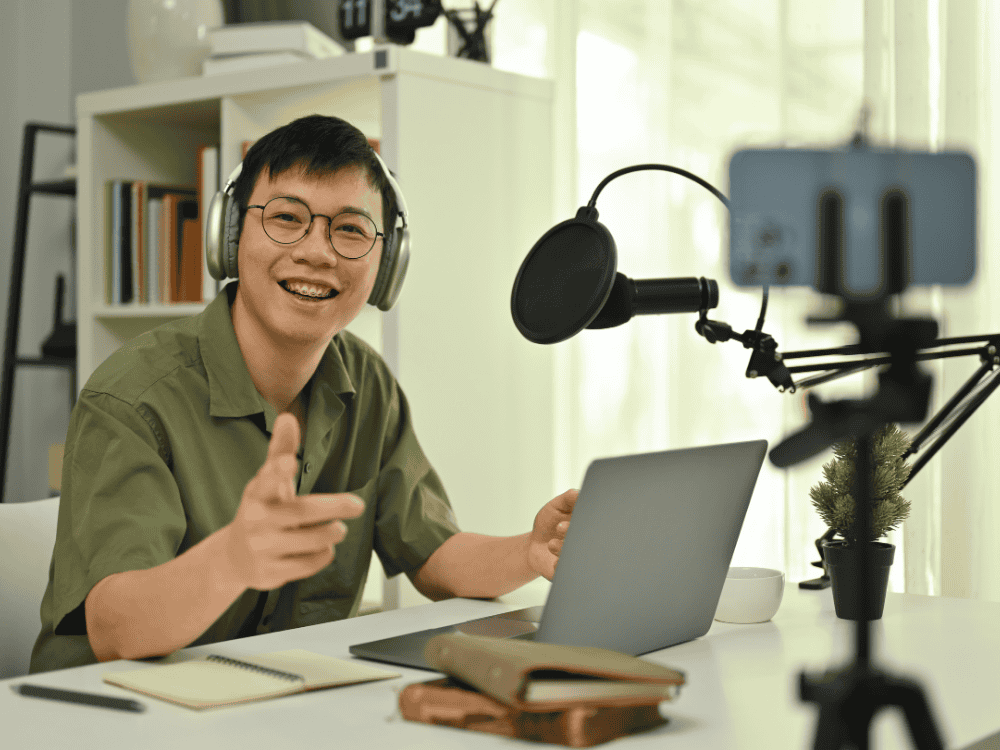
x,y
27,536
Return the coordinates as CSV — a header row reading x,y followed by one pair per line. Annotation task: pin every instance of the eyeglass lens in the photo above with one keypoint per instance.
x,y
287,220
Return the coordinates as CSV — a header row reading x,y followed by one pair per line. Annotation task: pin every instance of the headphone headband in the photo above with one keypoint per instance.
x,y
401,211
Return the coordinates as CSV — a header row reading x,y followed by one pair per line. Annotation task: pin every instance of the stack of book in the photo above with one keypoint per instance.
x,y
154,249
245,46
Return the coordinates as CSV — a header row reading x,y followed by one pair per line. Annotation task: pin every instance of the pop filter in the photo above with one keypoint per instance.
x,y
565,279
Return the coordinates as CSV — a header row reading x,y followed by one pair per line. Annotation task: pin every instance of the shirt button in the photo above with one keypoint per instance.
x,y
307,467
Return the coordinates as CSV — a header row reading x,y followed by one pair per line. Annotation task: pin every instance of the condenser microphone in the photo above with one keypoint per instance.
x,y
569,281
654,297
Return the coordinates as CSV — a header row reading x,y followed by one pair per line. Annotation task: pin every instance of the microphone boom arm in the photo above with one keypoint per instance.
x,y
767,361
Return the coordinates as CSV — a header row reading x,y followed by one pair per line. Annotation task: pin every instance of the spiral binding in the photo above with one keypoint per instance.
x,y
256,668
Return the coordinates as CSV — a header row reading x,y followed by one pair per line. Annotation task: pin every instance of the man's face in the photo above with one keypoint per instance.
x,y
305,292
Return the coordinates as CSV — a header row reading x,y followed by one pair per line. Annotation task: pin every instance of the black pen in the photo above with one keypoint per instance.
x,y
71,696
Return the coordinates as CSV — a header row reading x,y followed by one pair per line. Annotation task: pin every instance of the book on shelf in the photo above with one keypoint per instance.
x,y
154,238
570,695
189,256
154,208
144,232
137,233
272,36
213,681
112,240
125,222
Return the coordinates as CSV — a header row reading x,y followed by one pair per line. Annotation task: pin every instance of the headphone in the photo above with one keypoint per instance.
x,y
222,240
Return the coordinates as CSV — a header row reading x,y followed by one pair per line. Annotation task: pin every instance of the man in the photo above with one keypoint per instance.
x,y
231,473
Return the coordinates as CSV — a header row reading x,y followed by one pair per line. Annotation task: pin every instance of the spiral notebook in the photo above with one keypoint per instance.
x,y
220,681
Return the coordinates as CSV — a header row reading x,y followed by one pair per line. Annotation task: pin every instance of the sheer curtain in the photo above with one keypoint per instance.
x,y
933,68
686,82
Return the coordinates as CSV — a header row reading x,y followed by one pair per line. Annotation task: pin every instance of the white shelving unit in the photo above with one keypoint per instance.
x,y
472,147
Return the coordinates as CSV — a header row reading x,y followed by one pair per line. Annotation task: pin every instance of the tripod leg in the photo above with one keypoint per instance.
x,y
908,696
830,734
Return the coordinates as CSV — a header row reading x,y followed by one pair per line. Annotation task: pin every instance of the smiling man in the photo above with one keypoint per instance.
x,y
231,474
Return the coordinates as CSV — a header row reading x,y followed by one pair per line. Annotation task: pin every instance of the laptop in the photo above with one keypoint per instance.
x,y
644,560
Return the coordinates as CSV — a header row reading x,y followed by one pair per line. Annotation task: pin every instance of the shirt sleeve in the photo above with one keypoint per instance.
x,y
414,514
120,508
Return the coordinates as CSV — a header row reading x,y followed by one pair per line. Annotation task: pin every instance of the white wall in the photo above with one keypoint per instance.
x,y
35,87
80,47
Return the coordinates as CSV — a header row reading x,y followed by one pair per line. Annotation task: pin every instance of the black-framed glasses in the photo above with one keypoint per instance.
x,y
287,220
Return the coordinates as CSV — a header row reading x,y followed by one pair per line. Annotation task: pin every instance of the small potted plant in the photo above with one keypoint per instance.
x,y
833,499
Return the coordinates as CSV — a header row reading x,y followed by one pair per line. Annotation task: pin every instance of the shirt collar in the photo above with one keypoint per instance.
x,y
231,390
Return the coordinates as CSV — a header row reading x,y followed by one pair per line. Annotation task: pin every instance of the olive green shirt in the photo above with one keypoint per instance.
x,y
165,436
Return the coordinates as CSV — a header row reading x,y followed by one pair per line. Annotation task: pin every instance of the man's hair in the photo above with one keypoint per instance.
x,y
319,145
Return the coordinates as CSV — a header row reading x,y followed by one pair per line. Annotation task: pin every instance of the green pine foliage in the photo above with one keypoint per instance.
x,y
833,498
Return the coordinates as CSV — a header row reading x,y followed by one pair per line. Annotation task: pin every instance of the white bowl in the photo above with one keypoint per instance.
x,y
750,595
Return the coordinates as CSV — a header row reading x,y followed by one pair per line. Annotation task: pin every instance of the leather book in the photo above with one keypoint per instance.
x,y
570,695
448,702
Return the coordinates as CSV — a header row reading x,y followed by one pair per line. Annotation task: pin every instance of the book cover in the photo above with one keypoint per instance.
x,y
168,247
190,257
110,239
273,36
542,676
235,63
449,702
154,208
138,247
125,245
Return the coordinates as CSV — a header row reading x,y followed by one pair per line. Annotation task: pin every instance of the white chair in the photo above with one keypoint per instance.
x,y
27,536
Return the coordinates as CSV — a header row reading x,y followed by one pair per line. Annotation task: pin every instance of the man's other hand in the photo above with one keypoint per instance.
x,y
548,533
276,536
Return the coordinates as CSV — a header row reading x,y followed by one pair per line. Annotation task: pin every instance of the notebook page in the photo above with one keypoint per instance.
x,y
203,683
319,670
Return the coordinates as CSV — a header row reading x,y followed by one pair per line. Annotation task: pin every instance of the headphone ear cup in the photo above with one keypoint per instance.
x,y
222,237
392,271
214,226
231,238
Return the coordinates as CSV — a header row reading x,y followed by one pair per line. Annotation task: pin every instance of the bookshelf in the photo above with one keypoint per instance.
x,y
472,147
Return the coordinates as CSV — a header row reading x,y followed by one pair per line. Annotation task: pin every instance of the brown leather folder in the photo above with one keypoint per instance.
x,y
567,695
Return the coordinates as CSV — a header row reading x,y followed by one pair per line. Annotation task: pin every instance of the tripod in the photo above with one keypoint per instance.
x,y
849,697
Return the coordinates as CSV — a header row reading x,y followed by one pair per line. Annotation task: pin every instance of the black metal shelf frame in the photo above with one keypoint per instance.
x,y
26,189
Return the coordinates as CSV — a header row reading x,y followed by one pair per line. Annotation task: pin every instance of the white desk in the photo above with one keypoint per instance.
x,y
742,690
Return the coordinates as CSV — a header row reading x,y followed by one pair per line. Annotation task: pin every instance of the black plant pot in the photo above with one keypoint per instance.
x,y
843,563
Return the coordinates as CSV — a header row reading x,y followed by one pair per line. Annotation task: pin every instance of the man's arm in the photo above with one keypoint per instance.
x,y
154,612
477,566
275,537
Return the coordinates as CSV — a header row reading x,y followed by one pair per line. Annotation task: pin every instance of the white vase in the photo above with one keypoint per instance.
x,y
169,38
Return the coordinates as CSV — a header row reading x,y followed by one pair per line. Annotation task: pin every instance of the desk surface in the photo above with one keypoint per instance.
x,y
742,689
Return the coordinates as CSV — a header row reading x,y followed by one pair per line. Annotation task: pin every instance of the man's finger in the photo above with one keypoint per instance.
x,y
567,500
284,436
340,505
